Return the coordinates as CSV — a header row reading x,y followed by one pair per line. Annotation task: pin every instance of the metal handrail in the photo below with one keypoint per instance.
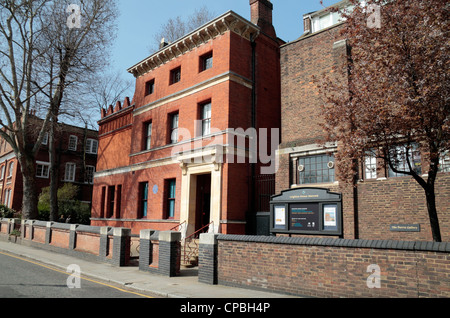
x,y
199,231
192,250
177,226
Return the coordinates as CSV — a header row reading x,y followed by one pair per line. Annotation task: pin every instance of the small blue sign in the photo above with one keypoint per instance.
x,y
155,189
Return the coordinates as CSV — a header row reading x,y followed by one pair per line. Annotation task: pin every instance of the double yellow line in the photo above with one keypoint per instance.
x,y
68,274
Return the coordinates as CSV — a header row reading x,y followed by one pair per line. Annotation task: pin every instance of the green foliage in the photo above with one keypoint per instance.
x,y
15,233
6,212
68,206
79,212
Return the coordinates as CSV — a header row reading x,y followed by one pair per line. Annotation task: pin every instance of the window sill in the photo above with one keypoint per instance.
x,y
137,220
314,185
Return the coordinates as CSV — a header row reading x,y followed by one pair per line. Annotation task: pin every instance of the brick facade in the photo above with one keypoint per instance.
x,y
82,154
243,90
375,204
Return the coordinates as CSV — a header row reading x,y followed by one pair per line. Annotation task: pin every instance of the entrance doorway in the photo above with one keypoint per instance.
x,y
203,201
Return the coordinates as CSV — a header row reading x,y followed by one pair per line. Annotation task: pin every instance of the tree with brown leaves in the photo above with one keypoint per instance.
x,y
396,96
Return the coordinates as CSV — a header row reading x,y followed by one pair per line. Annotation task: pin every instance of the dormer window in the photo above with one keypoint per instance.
x,y
325,19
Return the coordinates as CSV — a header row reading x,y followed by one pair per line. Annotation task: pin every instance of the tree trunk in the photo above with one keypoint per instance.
x,y
30,196
432,213
54,211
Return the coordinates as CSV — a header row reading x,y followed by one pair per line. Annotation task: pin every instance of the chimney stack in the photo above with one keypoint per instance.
x,y
261,15
163,43
307,24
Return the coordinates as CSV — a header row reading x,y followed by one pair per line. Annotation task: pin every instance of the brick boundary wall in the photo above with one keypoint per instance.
x,y
159,251
328,267
109,245
162,258
207,259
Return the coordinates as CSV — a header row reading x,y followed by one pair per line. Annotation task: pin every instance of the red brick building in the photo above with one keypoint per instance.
x,y
76,149
381,199
171,155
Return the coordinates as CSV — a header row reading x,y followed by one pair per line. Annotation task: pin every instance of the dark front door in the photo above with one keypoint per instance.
x,y
203,206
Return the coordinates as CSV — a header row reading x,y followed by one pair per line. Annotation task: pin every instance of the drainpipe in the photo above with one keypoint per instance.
x,y
252,216
2,194
355,163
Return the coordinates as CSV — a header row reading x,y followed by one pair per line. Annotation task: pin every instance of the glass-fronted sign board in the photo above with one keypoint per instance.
x,y
307,211
304,217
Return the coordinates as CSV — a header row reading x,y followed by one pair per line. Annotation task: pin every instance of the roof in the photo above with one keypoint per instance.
x,y
229,21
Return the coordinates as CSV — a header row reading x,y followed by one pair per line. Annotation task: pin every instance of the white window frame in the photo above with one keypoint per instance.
x,y
91,146
148,135
73,139
444,162
39,173
11,169
206,114
370,166
45,139
91,181
69,174
174,122
414,157
2,172
7,198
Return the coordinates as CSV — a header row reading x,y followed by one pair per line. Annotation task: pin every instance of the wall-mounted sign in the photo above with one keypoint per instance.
x,y
307,211
405,227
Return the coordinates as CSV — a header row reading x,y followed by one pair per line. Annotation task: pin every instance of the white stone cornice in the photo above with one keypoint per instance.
x,y
229,21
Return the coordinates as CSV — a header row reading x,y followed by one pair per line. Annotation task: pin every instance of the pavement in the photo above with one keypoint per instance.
x,y
184,286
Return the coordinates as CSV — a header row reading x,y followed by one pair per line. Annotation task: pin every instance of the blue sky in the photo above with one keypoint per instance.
x,y
140,19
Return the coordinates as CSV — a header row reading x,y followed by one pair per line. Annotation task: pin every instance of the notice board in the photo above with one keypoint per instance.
x,y
307,211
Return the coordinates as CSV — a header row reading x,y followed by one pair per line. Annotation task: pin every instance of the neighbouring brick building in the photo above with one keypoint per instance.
x,y
380,199
171,156
76,155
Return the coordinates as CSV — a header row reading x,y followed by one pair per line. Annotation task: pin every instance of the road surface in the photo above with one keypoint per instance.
x,y
25,278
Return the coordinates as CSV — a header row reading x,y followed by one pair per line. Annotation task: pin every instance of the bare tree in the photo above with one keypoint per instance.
x,y
46,47
109,88
177,27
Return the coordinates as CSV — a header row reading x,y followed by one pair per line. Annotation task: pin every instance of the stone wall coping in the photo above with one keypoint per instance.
x,y
169,236
208,238
146,234
155,236
40,223
67,226
335,242
61,226
121,231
